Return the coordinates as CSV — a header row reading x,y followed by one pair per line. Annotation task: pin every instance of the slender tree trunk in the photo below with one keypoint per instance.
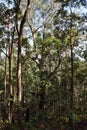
x,y
19,89
71,92
10,69
10,46
5,81
10,84
20,34
71,86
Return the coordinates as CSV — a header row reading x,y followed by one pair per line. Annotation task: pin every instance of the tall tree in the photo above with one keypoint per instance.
x,y
20,34
10,41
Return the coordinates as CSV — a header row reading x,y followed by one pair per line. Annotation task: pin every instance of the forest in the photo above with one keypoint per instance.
x,y
43,64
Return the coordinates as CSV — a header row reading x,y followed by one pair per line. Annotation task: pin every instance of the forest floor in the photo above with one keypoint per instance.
x,y
49,125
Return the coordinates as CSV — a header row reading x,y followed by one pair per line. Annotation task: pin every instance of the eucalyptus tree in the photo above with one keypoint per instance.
x,y
41,30
19,28
10,41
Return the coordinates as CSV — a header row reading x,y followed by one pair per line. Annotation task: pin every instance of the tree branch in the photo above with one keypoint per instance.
x,y
4,52
16,23
24,17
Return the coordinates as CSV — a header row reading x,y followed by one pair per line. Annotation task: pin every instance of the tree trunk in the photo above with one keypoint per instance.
x,y
10,58
19,89
71,86
10,84
10,46
10,69
20,33
71,91
42,99
5,82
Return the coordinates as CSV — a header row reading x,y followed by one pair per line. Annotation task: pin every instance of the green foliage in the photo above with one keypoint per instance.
x,y
52,41
25,42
